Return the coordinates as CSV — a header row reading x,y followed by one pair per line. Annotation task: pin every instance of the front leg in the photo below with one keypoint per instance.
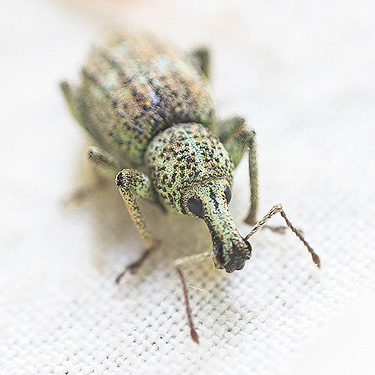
x,y
237,139
133,184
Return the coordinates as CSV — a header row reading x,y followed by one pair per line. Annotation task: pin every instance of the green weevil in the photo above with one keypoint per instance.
x,y
150,110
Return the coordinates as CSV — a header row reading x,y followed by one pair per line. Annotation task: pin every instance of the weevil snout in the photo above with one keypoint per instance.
x,y
209,202
232,255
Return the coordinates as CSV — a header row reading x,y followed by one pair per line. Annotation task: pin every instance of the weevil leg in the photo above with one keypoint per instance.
x,y
179,263
105,165
72,99
76,106
132,184
103,161
278,208
201,56
237,139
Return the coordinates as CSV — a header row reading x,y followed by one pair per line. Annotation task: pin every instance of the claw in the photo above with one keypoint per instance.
x,y
133,267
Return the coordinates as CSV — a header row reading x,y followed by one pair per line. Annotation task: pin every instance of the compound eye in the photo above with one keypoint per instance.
x,y
228,194
195,206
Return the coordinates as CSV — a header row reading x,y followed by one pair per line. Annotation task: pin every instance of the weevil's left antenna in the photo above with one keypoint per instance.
x,y
190,260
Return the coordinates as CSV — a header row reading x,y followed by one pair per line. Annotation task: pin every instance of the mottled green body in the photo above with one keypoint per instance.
x,y
135,87
150,109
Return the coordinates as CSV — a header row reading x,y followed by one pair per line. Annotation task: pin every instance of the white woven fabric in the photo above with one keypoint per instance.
x,y
305,81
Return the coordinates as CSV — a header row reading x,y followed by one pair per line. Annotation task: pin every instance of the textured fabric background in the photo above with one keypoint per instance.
x,y
303,75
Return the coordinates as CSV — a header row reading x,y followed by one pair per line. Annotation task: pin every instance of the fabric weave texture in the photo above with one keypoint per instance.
x,y
60,309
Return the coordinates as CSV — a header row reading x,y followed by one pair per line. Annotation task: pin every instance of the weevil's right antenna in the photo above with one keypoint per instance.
x,y
273,211
193,332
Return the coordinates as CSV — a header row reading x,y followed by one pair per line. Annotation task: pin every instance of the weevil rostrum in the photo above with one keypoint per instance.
x,y
150,110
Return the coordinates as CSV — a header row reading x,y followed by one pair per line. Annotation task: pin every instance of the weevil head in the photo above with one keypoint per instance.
x,y
209,201
192,173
